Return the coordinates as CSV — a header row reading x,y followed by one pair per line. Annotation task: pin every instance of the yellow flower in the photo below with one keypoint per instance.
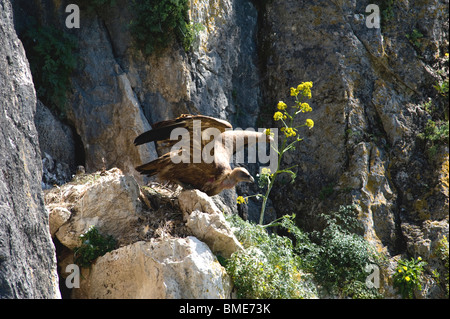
x,y
265,171
305,88
400,271
294,92
309,123
419,258
241,200
304,107
268,132
307,93
308,85
278,116
288,131
405,268
281,105
446,55
407,278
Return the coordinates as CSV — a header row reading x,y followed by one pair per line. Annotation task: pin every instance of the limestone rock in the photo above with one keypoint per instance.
x,y
422,241
214,230
190,200
57,217
27,254
175,268
60,159
207,223
109,202
367,173
226,201
162,266
224,62
54,172
218,77
104,108
367,111
51,129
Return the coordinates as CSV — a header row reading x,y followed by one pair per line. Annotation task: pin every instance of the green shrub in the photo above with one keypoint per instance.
x,y
442,87
407,276
387,10
268,267
274,266
342,255
435,131
158,23
93,245
50,53
435,134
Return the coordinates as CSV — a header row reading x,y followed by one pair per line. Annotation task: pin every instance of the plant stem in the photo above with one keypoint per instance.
x,y
283,149
272,180
274,223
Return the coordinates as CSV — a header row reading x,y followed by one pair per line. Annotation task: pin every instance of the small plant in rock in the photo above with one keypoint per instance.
x,y
387,10
52,58
93,245
435,131
442,86
435,134
415,37
407,276
158,23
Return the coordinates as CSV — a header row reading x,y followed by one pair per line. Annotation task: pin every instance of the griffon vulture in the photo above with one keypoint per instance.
x,y
203,160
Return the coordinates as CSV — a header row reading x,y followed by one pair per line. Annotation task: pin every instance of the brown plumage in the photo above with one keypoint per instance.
x,y
210,176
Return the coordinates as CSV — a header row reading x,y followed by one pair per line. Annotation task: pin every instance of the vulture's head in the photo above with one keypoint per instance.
x,y
240,174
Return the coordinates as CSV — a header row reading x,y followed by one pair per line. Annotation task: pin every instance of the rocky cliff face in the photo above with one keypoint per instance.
x,y
374,95
27,257
370,88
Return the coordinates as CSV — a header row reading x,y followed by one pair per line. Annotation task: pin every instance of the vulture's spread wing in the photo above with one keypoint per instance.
x,y
206,134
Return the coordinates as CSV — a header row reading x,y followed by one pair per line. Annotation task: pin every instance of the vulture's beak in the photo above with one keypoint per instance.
x,y
251,179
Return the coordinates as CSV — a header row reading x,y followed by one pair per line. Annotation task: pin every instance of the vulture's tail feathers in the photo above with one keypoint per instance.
x,y
147,169
155,166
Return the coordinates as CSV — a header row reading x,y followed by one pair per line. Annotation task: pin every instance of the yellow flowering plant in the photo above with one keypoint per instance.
x,y
407,276
300,93
281,106
267,178
241,200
